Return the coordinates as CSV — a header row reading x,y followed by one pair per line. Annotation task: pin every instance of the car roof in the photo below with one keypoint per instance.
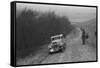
x,y
57,36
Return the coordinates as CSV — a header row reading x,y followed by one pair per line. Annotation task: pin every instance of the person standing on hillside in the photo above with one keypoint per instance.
x,y
84,36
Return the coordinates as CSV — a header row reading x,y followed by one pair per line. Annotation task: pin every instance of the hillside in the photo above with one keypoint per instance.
x,y
75,51
34,29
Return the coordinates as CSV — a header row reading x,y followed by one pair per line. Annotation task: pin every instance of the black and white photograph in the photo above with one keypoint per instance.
x,y
54,33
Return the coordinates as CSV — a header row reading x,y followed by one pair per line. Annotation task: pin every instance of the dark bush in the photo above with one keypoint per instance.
x,y
34,29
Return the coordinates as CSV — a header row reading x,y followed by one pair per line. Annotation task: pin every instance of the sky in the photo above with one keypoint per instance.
x,y
74,13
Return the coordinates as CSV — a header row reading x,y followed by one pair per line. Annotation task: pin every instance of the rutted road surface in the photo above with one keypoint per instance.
x,y
74,52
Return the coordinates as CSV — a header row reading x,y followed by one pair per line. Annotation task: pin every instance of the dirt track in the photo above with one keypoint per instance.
x,y
74,52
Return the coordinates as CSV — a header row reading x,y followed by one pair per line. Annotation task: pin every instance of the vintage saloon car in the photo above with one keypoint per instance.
x,y
57,44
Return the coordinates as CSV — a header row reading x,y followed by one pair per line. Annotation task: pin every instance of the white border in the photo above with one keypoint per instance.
x,y
5,34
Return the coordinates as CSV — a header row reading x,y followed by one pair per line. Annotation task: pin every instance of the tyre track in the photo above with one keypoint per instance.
x,y
66,55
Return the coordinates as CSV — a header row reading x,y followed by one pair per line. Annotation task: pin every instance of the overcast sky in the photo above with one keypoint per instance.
x,y
74,13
